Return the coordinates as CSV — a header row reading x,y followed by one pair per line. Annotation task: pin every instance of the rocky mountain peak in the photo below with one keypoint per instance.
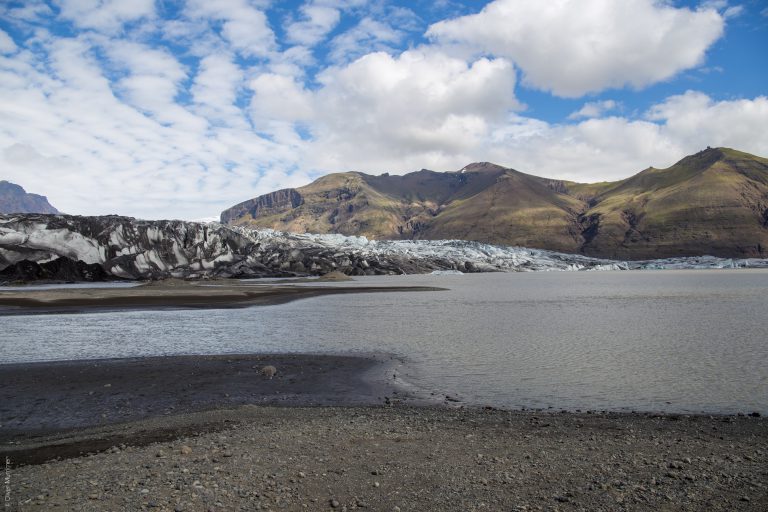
x,y
14,199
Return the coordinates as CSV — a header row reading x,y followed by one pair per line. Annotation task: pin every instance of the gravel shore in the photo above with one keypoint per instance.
x,y
203,433
406,458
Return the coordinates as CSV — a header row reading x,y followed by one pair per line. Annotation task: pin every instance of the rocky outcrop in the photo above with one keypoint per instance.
x,y
14,199
62,247
265,205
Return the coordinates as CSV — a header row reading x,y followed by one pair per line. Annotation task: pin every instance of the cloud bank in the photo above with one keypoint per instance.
x,y
133,108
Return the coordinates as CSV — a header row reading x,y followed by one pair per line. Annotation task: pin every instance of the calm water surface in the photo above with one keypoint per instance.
x,y
686,341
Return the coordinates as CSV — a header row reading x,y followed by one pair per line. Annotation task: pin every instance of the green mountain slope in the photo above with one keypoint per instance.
x,y
714,202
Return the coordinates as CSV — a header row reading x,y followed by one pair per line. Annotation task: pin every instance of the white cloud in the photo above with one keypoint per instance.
x,y
368,36
152,81
734,11
317,22
105,123
613,148
608,148
595,109
382,112
572,47
105,15
693,119
244,25
215,90
6,43
279,98
64,133
714,4
30,10
729,11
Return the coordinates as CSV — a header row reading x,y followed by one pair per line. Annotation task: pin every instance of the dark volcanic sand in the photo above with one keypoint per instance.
x,y
50,397
412,459
227,456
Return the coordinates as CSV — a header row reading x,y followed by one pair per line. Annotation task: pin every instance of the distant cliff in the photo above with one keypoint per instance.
x,y
714,202
14,199
262,206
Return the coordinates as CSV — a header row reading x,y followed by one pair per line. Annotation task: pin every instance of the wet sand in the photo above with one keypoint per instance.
x,y
172,295
41,401
193,433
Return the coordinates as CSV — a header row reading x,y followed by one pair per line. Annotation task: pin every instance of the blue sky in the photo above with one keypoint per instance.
x,y
179,109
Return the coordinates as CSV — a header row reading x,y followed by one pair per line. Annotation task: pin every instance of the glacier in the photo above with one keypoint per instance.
x,y
130,248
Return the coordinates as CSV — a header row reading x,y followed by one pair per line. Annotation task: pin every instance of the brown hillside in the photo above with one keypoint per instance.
x,y
714,202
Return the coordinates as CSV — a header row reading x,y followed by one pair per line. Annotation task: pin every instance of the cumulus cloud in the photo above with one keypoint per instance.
x,y
151,79
317,22
279,98
30,10
215,90
593,149
6,43
615,147
381,112
595,109
245,26
66,133
105,15
572,47
186,116
368,36
693,118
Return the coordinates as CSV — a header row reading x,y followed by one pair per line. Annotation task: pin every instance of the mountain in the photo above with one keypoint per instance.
x,y
14,199
714,202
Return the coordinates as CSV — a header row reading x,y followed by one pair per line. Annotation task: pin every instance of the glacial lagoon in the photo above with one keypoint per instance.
x,y
686,341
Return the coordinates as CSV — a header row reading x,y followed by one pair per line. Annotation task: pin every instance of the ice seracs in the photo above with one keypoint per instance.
x,y
137,249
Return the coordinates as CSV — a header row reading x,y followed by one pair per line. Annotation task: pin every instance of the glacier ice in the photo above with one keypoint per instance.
x,y
139,249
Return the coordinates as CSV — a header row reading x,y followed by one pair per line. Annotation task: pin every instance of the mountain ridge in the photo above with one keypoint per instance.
x,y
713,202
14,199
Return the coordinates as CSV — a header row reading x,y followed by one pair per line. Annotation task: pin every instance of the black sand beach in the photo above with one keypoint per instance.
x,y
201,433
48,397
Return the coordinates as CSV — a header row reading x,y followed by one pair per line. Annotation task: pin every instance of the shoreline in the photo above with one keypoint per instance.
x,y
55,409
47,399
173,295
187,433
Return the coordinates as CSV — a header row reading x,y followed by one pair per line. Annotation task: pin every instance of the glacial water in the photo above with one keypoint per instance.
x,y
682,341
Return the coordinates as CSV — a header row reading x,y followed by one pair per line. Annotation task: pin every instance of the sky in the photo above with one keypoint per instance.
x,y
180,109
